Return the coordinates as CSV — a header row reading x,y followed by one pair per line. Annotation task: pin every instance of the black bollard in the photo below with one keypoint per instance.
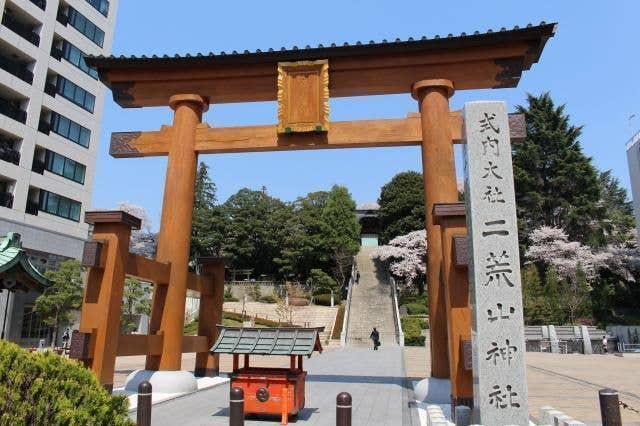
x,y
343,409
236,407
144,404
609,407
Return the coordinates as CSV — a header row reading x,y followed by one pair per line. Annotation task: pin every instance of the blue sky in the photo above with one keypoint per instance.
x,y
591,65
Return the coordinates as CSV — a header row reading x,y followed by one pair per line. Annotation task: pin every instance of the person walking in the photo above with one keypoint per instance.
x,y
605,346
65,338
375,336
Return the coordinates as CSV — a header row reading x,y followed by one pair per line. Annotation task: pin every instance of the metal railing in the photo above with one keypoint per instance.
x,y
24,31
347,308
38,166
10,155
42,4
628,347
396,312
11,110
15,68
6,199
32,207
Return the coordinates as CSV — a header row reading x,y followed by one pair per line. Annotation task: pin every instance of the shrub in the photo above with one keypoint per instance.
x,y
416,308
321,281
325,299
191,329
44,388
259,321
269,298
228,295
412,328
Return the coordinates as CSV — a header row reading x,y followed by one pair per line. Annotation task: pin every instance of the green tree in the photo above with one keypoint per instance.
x,y
64,296
305,246
341,230
401,205
321,282
256,229
209,225
136,301
574,294
616,221
556,184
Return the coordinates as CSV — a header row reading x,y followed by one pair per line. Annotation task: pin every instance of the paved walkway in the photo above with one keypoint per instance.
x,y
569,383
375,380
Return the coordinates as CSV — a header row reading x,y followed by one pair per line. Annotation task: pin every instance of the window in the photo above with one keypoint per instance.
x,y
75,94
59,206
101,6
86,27
76,57
32,325
70,130
65,167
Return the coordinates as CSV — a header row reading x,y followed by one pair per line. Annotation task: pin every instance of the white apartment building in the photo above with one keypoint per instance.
x,y
51,106
633,160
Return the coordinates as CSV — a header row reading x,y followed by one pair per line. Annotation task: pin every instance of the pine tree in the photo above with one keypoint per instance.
x,y
615,216
556,184
64,296
208,226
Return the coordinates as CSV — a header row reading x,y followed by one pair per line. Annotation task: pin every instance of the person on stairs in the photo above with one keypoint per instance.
x,y
375,336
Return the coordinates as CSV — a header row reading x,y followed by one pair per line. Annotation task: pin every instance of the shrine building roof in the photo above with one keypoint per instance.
x,y
493,59
268,341
16,271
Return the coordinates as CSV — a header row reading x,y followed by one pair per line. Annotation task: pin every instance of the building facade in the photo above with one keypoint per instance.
x,y
51,106
633,160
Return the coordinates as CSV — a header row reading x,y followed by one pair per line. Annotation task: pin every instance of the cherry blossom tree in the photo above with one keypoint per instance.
x,y
551,246
405,256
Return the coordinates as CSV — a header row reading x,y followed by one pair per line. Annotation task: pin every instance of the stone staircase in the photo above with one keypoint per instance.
x,y
371,304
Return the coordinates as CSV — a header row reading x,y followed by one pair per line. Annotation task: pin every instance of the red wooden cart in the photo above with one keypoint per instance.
x,y
269,391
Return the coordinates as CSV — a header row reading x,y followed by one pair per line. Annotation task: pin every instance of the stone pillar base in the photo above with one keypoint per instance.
x,y
162,381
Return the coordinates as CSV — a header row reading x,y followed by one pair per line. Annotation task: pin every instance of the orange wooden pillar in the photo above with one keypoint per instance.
x,y
438,167
167,312
210,314
451,218
107,255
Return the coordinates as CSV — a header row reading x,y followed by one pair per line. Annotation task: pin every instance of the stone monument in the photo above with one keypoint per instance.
x,y
499,380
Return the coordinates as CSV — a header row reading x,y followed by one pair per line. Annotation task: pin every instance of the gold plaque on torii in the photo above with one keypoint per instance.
x,y
303,96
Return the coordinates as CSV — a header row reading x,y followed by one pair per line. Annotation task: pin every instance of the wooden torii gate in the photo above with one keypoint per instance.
x,y
301,81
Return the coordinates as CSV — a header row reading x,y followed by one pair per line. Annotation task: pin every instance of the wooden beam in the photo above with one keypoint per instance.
x,y
342,134
148,270
142,344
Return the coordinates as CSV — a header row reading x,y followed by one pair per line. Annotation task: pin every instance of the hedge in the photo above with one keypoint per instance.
x,y
412,328
416,308
325,299
47,389
269,298
337,326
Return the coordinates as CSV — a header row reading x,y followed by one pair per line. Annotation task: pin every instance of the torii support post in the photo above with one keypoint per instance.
x,y
438,166
167,312
451,218
210,313
103,291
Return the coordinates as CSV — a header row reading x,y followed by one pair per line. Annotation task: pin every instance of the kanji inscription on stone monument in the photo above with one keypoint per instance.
x,y
500,386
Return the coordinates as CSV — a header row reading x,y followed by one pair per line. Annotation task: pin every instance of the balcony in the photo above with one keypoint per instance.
x,y
32,207
50,89
62,17
12,110
8,153
16,68
44,127
6,199
38,166
42,4
23,30
56,53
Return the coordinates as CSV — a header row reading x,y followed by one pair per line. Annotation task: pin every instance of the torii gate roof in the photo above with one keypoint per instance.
x,y
493,59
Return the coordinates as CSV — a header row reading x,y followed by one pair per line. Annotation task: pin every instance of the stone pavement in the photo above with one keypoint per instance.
x,y
569,383
375,379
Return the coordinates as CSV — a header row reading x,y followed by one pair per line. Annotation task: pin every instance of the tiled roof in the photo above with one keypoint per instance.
x,y
12,256
267,341
333,49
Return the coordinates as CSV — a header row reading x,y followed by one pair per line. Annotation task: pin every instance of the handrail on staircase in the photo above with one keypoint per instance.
x,y
396,312
347,309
